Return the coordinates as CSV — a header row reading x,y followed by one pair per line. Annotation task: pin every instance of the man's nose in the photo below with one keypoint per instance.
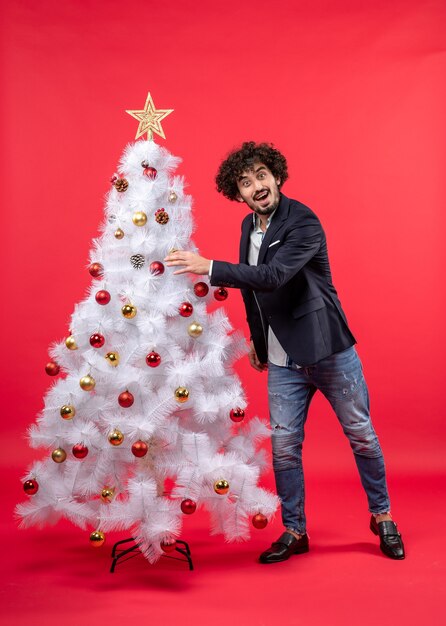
x,y
258,184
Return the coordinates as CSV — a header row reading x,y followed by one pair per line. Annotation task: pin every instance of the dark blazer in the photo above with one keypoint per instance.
x,y
290,289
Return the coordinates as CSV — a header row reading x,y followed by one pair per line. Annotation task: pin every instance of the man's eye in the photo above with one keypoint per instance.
x,y
245,183
261,175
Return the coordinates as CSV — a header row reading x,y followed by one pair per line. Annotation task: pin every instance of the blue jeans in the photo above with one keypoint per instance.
x,y
290,389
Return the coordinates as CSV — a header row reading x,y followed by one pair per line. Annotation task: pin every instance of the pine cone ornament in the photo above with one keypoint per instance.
x,y
161,216
137,260
121,184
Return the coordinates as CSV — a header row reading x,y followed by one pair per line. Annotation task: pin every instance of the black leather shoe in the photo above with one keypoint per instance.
x,y
391,542
284,547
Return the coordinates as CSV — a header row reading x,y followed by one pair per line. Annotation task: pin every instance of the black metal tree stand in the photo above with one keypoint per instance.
x,y
120,554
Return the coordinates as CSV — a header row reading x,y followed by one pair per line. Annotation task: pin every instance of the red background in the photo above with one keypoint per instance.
x,y
354,96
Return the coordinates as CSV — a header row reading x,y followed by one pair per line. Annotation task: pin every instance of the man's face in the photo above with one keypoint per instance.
x,y
259,189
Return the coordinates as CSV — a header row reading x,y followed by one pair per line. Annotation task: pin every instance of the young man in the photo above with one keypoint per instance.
x,y
299,332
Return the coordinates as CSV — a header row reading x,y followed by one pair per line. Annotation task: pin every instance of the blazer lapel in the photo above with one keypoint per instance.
x,y
244,241
279,217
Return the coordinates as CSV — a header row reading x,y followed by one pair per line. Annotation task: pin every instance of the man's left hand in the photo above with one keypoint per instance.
x,y
189,261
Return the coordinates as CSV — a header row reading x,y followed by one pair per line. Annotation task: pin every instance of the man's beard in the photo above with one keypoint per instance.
x,y
267,210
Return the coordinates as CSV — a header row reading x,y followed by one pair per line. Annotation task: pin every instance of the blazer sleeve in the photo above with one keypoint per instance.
x,y
301,242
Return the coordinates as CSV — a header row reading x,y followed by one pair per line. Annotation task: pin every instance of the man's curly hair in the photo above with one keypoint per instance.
x,y
243,159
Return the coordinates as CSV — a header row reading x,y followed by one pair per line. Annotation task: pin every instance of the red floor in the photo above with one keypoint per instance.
x,y
53,576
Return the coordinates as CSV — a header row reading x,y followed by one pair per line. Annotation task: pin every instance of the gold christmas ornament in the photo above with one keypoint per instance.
x,y
71,343
150,119
97,538
195,329
112,358
172,250
172,197
119,233
67,411
121,184
58,455
129,311
87,382
116,437
139,218
221,487
107,495
181,394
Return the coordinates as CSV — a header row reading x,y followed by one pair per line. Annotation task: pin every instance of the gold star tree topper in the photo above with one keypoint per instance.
x,y
150,119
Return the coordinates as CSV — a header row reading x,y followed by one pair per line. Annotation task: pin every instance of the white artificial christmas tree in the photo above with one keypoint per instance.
x,y
149,391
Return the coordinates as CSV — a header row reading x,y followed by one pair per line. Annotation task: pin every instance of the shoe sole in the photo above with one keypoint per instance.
x,y
300,551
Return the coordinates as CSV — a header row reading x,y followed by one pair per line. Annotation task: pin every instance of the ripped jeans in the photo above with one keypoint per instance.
x,y
290,389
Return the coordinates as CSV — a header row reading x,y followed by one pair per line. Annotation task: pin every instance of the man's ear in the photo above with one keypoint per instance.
x,y
278,182
239,198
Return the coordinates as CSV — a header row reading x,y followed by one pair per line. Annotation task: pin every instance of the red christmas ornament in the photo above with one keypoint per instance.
x,y
188,506
31,486
96,270
52,368
221,294
168,545
97,340
126,399
103,297
79,451
259,521
153,359
186,309
139,449
201,289
237,414
156,268
150,172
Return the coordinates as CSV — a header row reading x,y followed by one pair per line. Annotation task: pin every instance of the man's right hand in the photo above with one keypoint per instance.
x,y
254,360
